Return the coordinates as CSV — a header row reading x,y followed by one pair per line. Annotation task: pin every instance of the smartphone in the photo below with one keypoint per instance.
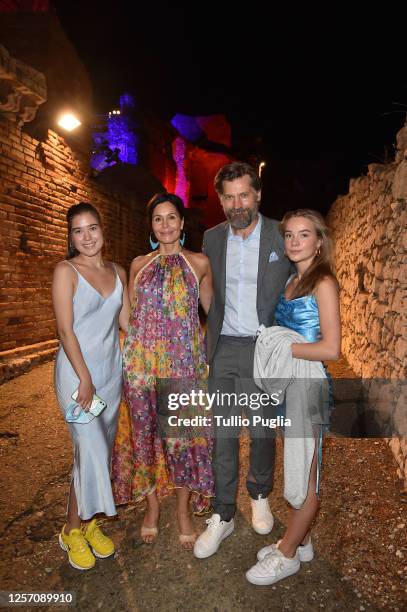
x,y
75,414
97,406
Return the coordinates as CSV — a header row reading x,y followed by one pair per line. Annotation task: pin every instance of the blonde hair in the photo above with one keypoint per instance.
x,y
322,265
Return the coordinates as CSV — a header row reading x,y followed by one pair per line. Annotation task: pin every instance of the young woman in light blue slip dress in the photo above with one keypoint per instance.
x,y
310,306
90,302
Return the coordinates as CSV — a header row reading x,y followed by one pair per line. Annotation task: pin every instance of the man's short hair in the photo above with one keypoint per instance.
x,y
236,170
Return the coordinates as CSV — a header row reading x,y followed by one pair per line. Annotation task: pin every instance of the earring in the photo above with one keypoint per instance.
x,y
318,253
182,240
154,245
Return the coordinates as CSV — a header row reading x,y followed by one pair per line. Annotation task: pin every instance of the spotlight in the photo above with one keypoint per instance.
x,y
261,166
69,122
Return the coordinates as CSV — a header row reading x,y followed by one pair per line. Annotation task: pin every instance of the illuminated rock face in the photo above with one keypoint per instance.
x,y
116,137
203,166
184,155
201,148
369,230
195,171
215,128
179,154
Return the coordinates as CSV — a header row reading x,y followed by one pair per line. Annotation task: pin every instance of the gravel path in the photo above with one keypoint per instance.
x,y
359,537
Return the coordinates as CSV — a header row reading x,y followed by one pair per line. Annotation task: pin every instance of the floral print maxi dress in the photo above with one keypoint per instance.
x,y
164,341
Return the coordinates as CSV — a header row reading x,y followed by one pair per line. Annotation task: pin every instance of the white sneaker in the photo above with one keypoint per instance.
x,y
262,519
209,541
305,551
273,568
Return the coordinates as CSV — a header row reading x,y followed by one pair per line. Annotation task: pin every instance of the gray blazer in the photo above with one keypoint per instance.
x,y
271,279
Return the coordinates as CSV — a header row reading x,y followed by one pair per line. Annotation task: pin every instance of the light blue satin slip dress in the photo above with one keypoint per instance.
x,y
96,327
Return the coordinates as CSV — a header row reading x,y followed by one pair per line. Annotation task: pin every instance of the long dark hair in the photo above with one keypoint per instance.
x,y
322,264
73,211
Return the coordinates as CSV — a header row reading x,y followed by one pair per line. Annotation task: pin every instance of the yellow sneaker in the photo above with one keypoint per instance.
x,y
79,554
101,545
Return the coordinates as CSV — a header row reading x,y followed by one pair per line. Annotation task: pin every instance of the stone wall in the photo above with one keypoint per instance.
x,y
38,183
369,230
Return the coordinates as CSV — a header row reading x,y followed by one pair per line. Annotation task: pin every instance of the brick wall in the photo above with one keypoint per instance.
x,y
38,183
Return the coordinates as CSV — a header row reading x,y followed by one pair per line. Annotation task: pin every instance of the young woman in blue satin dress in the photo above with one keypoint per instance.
x,y
310,306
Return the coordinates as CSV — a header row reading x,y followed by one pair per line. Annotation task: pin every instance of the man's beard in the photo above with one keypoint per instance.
x,y
240,218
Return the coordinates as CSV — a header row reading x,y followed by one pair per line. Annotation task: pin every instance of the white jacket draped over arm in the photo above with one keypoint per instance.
x,y
304,386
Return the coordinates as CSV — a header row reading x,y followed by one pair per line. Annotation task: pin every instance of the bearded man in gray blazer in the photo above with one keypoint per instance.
x,y
250,271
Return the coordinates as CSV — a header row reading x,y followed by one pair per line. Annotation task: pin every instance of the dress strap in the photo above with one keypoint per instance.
x,y
76,270
191,268
144,267
72,266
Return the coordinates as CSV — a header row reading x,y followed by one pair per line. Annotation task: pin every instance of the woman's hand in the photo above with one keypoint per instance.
x,y
86,391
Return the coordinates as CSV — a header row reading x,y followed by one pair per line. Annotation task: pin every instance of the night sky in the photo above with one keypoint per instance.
x,y
318,94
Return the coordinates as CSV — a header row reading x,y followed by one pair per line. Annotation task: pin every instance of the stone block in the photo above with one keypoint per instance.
x,y
399,325
375,287
399,187
400,349
395,446
397,302
401,140
378,270
383,293
358,185
398,207
379,310
400,417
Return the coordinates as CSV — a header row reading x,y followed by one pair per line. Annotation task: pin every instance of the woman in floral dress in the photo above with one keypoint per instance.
x,y
164,342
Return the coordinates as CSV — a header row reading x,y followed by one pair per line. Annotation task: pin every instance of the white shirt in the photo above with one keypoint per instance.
x,y
242,263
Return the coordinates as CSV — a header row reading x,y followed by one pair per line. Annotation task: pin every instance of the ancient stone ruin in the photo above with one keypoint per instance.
x,y
369,230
